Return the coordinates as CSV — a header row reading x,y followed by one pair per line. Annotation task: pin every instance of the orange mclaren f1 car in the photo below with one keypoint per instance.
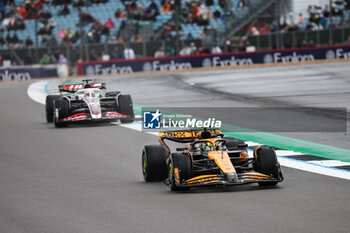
x,y
208,159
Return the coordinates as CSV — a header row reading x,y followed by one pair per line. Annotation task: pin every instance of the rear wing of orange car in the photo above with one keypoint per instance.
x,y
186,136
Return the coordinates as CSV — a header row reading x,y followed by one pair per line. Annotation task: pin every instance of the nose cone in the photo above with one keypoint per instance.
x,y
223,161
95,110
231,177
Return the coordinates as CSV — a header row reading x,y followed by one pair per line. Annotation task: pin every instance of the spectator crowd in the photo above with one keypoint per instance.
x,y
191,12
317,18
194,12
12,18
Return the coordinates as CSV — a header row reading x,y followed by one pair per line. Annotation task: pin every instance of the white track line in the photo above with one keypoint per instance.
x,y
330,163
319,169
36,91
287,153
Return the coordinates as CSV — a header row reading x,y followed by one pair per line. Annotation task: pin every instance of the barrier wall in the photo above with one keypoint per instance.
x,y
33,72
222,60
26,73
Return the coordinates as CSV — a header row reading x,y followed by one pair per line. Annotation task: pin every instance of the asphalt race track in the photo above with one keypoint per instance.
x,y
88,178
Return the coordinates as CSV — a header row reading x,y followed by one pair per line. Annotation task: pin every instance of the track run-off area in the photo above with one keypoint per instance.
x,y
88,178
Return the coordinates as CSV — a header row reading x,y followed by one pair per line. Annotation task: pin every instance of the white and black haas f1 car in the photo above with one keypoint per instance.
x,y
88,102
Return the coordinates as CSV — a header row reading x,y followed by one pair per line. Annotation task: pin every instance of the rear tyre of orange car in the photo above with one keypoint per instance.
x,y
126,107
49,107
62,105
154,167
181,162
266,163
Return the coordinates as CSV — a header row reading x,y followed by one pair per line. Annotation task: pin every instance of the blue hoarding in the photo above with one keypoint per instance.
x,y
219,60
25,73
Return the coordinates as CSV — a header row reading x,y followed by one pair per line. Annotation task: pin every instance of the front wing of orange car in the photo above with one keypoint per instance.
x,y
227,180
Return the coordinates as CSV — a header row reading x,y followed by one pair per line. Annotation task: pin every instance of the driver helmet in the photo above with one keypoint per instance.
x,y
207,146
89,95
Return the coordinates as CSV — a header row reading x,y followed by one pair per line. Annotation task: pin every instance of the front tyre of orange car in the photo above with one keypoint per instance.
x,y
181,162
154,167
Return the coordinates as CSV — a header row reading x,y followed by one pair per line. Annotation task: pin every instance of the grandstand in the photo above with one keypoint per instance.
x,y
103,11
196,18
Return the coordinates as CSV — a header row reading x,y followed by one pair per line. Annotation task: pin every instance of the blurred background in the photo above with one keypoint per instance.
x,y
67,31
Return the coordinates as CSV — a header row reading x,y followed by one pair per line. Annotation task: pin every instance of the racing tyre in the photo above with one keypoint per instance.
x,y
154,166
126,107
266,163
62,106
182,162
49,107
